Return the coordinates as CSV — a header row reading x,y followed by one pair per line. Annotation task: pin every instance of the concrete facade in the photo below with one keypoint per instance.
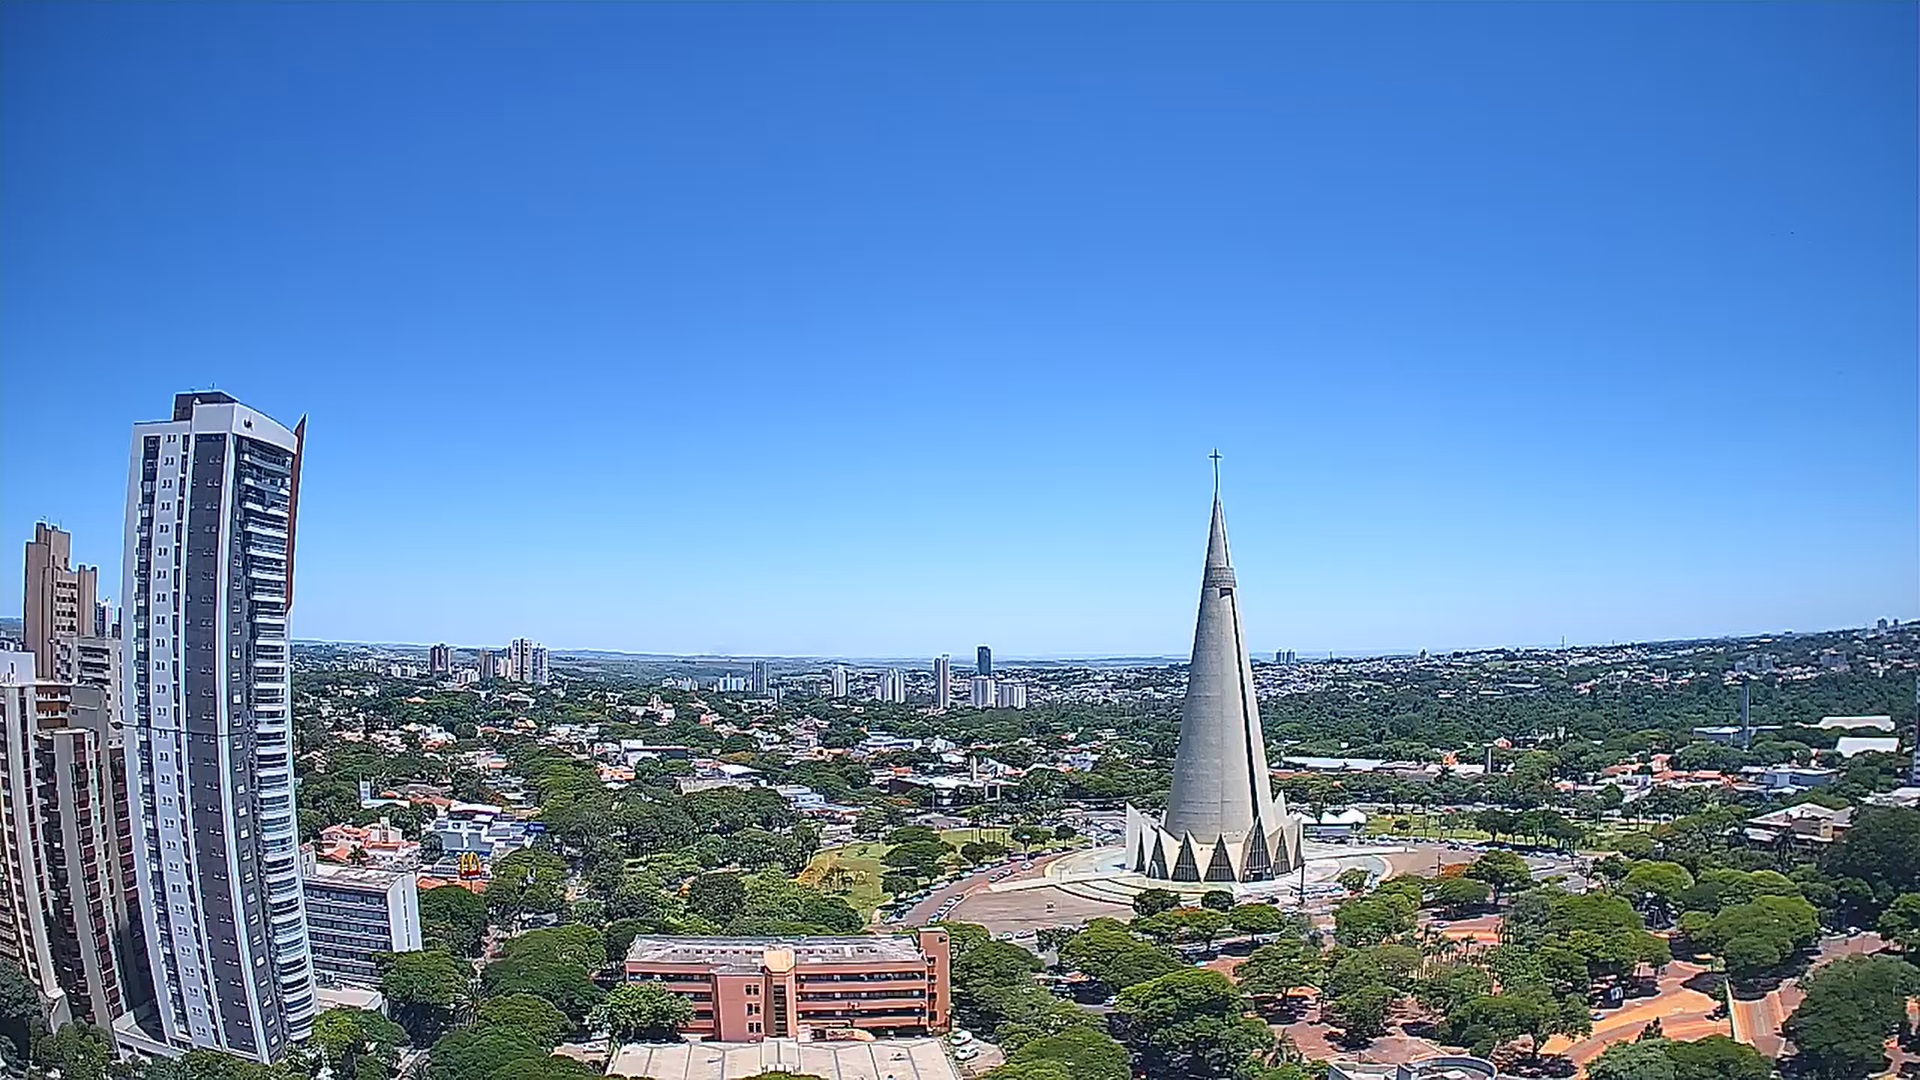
x,y
60,598
1223,821
212,505
354,912
748,989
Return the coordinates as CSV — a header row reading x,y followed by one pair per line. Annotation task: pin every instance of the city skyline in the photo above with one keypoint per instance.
x,y
1564,392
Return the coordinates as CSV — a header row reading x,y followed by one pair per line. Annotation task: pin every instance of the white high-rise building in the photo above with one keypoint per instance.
x,y
1010,695
982,697
890,687
207,579
942,682
759,676
839,681
520,660
537,666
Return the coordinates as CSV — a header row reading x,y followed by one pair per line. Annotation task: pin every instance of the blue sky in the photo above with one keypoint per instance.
x,y
893,329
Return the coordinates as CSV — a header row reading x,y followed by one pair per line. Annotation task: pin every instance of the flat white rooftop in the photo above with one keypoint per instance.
x,y
881,1059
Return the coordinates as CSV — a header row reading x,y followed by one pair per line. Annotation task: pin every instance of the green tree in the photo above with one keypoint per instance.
x,y
643,1012
1151,902
1850,1007
79,1051
357,1044
1088,1054
717,896
1354,879
1280,968
1643,1060
527,882
424,987
532,1016
1459,894
1361,1013
1900,923
20,1019
1108,952
453,919
563,982
1717,1057
1257,919
1666,882
1503,871
475,1053
1369,920
1190,1022
1446,989
1217,900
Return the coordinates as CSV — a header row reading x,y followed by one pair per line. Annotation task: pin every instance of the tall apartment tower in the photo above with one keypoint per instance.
x,y
66,916
520,660
439,660
839,680
537,673
983,661
483,659
981,696
759,676
212,505
942,682
59,599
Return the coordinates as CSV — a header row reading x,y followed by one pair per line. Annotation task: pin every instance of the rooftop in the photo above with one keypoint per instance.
x,y
749,954
879,1059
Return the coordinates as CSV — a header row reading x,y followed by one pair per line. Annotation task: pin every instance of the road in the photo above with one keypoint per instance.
x,y
924,911
1757,1021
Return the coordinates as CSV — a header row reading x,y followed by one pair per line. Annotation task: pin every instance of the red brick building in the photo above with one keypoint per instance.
x,y
748,989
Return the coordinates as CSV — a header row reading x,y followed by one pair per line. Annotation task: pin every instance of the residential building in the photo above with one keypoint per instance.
x,y
64,921
748,989
212,505
759,676
1009,695
60,598
983,661
1800,823
354,912
942,682
439,660
731,684
982,692
520,660
839,681
537,666
890,687
485,664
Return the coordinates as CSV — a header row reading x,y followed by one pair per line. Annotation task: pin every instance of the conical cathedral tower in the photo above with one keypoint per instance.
x,y
1223,822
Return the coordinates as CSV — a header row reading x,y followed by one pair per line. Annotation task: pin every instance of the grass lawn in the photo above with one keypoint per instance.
x,y
1421,826
852,873
983,834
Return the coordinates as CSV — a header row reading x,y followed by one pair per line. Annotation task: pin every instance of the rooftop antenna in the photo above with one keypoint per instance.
x,y
1746,718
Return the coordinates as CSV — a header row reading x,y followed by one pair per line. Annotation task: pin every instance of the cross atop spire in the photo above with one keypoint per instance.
x,y
1216,471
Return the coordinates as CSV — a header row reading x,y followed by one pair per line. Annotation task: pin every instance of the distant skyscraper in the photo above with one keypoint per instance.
x,y
537,672
731,684
439,660
483,660
1913,770
106,620
839,681
759,676
942,682
983,661
1223,822
60,598
520,660
982,696
1010,695
212,505
890,688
